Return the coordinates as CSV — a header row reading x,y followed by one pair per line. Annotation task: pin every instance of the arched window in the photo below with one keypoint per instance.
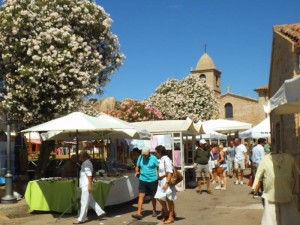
x,y
203,77
228,110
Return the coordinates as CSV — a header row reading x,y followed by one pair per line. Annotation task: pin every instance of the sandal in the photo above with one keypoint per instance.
x,y
136,216
169,221
165,218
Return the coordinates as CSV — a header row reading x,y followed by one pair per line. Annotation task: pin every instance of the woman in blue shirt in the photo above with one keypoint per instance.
x,y
146,169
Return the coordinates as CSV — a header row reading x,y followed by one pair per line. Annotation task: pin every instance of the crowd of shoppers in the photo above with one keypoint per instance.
x,y
273,173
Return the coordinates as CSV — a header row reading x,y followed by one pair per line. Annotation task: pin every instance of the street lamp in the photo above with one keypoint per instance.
x,y
9,197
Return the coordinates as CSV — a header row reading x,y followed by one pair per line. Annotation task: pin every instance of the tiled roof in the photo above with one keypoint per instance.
x,y
265,87
292,31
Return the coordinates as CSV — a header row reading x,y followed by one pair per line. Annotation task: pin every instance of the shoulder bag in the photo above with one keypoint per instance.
x,y
176,176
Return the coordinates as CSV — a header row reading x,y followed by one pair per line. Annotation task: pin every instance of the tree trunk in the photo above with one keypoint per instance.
x,y
45,150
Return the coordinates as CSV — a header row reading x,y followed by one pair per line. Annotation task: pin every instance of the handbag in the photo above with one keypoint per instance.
x,y
219,170
176,176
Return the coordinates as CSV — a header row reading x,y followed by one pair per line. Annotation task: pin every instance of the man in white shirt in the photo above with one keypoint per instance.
x,y
86,184
240,160
258,152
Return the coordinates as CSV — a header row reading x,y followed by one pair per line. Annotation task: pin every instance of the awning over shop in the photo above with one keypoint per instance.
x,y
287,99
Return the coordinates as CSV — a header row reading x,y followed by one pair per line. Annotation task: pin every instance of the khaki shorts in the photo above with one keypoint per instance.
x,y
202,169
239,164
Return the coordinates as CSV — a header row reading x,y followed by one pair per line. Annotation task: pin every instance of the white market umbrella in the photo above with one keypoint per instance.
x,y
261,130
132,132
77,121
222,125
287,99
89,128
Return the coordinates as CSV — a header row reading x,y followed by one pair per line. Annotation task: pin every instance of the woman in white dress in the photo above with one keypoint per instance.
x,y
166,194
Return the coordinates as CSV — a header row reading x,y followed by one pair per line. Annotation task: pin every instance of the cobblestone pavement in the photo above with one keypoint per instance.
x,y
234,206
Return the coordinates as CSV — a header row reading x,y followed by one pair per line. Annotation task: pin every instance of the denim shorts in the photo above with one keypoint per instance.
x,y
148,188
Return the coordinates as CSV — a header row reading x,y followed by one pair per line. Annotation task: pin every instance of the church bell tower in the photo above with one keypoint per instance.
x,y
207,71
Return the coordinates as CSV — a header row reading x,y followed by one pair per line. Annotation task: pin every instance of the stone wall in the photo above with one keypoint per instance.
x,y
244,109
284,65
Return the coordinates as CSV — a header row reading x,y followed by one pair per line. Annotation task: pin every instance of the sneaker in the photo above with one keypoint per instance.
x,y
237,182
218,188
241,183
223,188
213,182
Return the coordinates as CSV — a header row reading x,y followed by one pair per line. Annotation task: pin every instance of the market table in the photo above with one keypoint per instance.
x,y
61,195
55,196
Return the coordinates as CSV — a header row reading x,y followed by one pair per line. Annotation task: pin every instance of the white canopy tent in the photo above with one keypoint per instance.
x,y
209,133
225,126
261,130
287,99
164,126
183,138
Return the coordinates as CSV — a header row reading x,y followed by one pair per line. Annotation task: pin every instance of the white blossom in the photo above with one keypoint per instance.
x,y
189,97
50,60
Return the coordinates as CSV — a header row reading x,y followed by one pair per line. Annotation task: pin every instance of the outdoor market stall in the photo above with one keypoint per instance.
x,y
60,195
182,142
123,187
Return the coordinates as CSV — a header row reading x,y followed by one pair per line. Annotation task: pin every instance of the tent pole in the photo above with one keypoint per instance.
x,y
77,156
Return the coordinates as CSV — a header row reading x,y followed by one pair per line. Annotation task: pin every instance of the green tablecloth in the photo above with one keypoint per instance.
x,y
51,195
59,196
101,190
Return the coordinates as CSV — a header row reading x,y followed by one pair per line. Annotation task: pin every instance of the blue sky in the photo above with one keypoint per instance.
x,y
164,38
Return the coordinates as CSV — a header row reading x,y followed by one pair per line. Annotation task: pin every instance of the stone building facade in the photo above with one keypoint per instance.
x,y
231,106
285,64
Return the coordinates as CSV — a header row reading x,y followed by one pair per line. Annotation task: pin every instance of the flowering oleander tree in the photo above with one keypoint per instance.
x,y
52,53
132,110
189,97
